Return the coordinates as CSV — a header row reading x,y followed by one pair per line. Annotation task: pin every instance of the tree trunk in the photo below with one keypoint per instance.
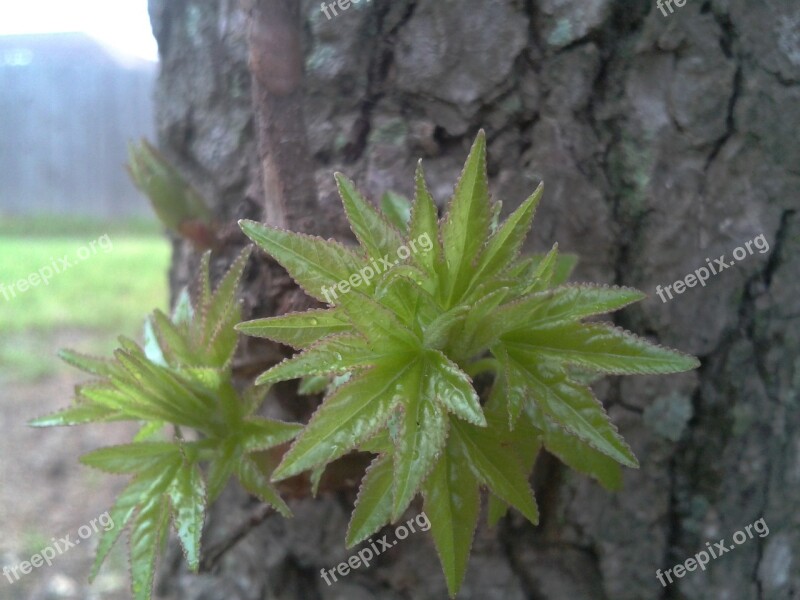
x,y
663,140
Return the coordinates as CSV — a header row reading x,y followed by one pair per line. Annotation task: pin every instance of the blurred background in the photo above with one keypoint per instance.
x,y
665,137
76,86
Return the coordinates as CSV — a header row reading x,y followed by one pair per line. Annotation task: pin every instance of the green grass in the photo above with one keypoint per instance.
x,y
92,302
75,226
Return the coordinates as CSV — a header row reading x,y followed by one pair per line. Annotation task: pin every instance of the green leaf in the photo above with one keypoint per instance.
x,y
438,332
188,496
222,466
223,299
542,273
412,304
504,245
85,412
147,534
422,436
453,388
149,484
569,303
572,406
477,334
379,325
259,433
161,390
335,354
550,308
152,347
451,505
170,341
254,481
581,457
397,210
128,406
311,261
496,509
373,506
204,279
376,235
132,458
183,312
351,415
424,221
495,468
173,199
510,385
381,442
313,384
466,224
601,348
565,264
213,329
89,364
299,329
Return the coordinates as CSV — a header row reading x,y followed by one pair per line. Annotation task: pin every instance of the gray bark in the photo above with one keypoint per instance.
x,y
662,141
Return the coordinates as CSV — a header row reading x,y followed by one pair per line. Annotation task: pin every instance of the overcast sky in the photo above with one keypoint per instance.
x,y
122,24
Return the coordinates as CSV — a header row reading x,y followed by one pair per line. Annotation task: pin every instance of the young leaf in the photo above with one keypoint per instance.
x,y
424,219
312,262
453,388
89,364
131,458
258,433
147,534
491,464
397,209
576,454
345,419
255,482
451,505
373,507
504,245
422,435
572,406
600,347
298,330
227,456
313,384
542,273
86,412
335,354
376,235
466,223
188,497
553,307
148,484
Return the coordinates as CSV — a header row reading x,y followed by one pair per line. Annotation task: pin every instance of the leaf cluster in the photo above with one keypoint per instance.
x,y
398,354
397,358
197,431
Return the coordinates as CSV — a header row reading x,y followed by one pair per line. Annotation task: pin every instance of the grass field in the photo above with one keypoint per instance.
x,y
104,293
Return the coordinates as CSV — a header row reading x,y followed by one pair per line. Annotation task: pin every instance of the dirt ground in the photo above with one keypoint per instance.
x,y
45,493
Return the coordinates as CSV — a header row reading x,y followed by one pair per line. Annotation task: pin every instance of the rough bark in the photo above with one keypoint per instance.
x,y
662,141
